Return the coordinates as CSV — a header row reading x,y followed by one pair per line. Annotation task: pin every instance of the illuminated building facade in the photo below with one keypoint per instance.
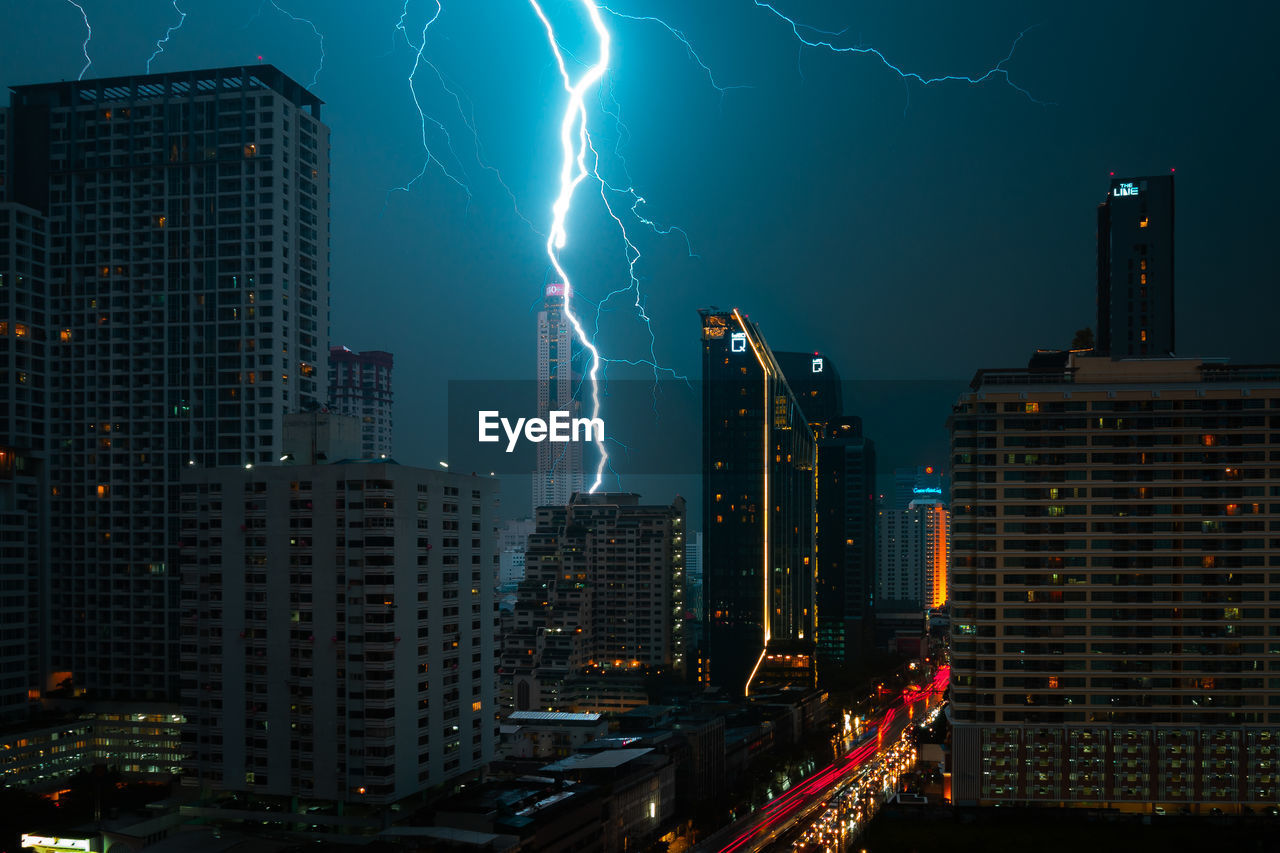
x,y
815,383
338,629
1135,268
360,385
846,540
759,484
559,474
187,312
1112,642
601,602
914,543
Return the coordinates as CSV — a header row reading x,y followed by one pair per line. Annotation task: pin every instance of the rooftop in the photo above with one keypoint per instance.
x,y
142,87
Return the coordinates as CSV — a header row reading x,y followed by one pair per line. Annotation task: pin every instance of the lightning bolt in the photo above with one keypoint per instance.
x,y
296,19
182,17
419,60
466,113
87,38
816,41
683,39
573,170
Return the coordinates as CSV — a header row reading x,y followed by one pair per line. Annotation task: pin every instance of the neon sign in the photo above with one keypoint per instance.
x,y
1125,189
926,490
817,365
738,342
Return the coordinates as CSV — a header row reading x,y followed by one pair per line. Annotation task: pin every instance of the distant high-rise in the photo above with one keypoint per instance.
x,y
914,543
360,385
815,382
846,540
559,474
758,501
603,595
1135,268
693,577
513,540
186,313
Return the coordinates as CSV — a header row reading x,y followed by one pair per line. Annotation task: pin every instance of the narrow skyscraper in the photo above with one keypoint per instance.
x,y
758,500
1135,268
559,474
846,540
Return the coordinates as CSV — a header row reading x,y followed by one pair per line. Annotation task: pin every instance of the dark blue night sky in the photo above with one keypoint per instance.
x,y
909,232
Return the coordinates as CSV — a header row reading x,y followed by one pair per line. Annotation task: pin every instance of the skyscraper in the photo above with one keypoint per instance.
x,y
360,385
559,473
187,312
914,543
1112,642
1135,268
815,382
759,461
846,540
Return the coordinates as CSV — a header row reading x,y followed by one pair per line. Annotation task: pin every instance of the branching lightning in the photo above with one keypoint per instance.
x,y
314,29
573,170
160,43
88,36
816,41
424,120
683,39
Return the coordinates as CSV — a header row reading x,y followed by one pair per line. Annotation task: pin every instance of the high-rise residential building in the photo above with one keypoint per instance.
x,y
187,311
759,462
1112,643
559,473
846,540
360,385
602,597
914,544
1135,268
815,382
338,629
24,485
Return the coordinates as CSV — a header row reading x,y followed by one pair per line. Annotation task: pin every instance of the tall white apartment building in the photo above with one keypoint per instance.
x,y
914,555
338,629
360,385
186,312
559,473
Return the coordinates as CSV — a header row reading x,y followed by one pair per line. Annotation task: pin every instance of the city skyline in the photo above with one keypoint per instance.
x,y
1103,119
1016,557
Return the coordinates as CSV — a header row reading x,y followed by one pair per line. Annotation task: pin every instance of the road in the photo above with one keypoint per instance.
x,y
809,798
